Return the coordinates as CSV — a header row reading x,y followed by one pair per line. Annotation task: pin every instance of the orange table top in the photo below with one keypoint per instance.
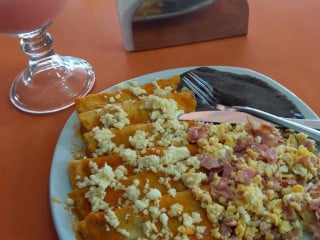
x,y
282,42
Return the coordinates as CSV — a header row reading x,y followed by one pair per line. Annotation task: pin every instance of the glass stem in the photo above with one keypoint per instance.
x,y
51,82
37,44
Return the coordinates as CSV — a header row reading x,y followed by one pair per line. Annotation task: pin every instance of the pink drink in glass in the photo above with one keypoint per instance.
x,y
17,16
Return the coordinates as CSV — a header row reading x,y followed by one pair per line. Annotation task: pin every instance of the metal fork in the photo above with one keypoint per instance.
x,y
204,91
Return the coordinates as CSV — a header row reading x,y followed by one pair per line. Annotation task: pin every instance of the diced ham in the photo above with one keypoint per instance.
x,y
270,155
208,162
265,152
227,170
276,234
195,133
230,221
309,144
301,180
287,182
222,188
314,204
268,133
259,148
215,166
225,230
242,143
290,213
245,175
305,161
314,191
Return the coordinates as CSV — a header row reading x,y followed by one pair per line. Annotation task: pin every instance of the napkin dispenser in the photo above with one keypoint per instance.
x,y
151,24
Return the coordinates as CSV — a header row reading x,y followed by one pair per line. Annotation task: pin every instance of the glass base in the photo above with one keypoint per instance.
x,y
52,84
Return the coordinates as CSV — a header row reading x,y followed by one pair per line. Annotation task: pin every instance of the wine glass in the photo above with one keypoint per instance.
x,y
51,82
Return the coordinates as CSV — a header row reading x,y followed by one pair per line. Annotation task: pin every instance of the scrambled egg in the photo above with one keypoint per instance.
x,y
274,200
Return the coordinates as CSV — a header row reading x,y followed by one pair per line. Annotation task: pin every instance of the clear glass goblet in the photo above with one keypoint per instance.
x,y
51,82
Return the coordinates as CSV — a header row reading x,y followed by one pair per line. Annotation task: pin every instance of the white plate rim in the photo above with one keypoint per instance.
x,y
59,184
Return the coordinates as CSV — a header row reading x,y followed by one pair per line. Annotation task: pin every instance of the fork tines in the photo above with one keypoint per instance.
x,y
200,87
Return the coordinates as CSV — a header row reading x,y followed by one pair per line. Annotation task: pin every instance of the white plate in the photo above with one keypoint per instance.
x,y
59,179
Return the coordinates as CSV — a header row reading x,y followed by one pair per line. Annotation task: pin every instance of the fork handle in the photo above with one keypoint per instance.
x,y
312,133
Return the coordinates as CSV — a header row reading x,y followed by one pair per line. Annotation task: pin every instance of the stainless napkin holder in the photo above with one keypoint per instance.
x,y
150,24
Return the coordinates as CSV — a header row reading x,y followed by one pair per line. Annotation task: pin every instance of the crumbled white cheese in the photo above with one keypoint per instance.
x,y
191,179
103,136
200,231
154,194
132,193
149,162
70,202
97,183
175,210
172,192
140,205
164,220
123,232
174,132
196,217
187,220
154,212
174,154
214,211
112,100
111,218
120,172
129,156
161,92
117,119
139,140
148,227
137,91
146,187
193,162
161,107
